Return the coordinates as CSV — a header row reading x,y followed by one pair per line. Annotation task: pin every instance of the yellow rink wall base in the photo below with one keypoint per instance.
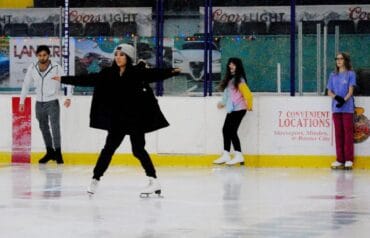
x,y
284,161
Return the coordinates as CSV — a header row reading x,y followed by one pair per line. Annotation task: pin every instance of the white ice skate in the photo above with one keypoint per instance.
x,y
337,165
348,165
91,189
225,157
153,187
238,159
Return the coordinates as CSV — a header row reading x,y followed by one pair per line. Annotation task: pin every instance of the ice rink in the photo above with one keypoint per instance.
x,y
51,201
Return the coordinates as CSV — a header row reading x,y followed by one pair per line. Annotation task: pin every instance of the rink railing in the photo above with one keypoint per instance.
x,y
281,131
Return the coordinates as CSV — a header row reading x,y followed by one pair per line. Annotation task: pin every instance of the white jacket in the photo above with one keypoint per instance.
x,y
46,88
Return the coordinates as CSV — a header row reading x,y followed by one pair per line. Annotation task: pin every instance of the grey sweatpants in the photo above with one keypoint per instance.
x,y
48,112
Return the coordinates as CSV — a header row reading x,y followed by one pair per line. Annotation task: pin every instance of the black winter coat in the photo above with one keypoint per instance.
x,y
125,103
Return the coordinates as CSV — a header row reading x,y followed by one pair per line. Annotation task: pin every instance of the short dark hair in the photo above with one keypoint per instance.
x,y
43,48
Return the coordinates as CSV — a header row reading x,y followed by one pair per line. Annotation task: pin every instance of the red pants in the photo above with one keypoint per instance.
x,y
343,124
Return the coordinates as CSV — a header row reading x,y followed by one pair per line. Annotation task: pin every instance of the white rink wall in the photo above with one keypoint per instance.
x,y
278,125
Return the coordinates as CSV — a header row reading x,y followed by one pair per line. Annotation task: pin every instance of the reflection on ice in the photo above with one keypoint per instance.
x,y
51,201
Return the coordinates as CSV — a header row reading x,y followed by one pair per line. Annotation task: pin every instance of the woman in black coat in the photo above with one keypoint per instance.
x,y
124,104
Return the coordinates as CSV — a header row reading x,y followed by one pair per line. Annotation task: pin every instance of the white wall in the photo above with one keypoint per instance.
x,y
195,127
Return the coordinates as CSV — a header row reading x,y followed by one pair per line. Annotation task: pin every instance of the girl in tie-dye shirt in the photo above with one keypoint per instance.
x,y
237,99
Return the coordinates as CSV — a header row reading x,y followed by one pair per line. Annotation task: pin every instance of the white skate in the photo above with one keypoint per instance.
x,y
153,187
337,165
91,189
238,159
225,157
348,165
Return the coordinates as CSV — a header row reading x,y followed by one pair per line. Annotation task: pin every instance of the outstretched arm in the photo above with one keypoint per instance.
x,y
87,80
156,74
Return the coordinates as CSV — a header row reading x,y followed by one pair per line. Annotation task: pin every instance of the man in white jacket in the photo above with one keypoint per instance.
x,y
47,104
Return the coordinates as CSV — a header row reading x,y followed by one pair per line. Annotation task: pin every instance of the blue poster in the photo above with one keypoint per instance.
x,y
4,62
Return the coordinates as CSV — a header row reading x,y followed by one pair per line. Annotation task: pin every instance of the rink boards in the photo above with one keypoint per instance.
x,y
281,131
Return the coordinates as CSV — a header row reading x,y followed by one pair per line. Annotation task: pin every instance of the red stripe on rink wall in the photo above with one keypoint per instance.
x,y
21,131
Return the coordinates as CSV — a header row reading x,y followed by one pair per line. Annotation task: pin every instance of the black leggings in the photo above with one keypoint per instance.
x,y
114,139
230,130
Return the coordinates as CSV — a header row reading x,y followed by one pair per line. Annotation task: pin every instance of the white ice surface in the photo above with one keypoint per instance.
x,y
216,202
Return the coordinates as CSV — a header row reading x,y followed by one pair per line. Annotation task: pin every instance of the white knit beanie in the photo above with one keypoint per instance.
x,y
129,50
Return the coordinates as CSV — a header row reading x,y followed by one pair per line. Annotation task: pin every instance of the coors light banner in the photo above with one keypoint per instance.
x,y
142,16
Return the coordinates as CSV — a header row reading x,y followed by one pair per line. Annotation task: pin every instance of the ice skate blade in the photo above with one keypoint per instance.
x,y
148,195
219,163
347,168
337,167
240,163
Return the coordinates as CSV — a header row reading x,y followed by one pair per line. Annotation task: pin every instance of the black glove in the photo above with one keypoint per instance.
x,y
141,64
340,101
339,105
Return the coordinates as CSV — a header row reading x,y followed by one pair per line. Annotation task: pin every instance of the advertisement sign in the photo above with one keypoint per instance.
x,y
21,131
94,54
4,62
142,16
282,13
304,126
23,53
295,126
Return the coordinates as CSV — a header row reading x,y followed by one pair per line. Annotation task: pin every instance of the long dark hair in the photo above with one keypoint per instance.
x,y
129,64
239,73
347,62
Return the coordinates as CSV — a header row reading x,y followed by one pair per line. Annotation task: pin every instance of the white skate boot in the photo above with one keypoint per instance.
x,y
225,157
91,189
337,165
238,159
153,187
348,165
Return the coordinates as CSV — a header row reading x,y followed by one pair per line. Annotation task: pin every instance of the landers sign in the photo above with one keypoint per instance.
x,y
23,54
22,51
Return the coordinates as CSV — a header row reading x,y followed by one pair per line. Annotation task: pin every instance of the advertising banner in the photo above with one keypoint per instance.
x,y
23,53
95,53
142,16
282,13
4,61
21,131
304,126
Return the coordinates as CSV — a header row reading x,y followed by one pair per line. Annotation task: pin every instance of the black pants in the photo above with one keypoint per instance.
x,y
114,139
230,130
